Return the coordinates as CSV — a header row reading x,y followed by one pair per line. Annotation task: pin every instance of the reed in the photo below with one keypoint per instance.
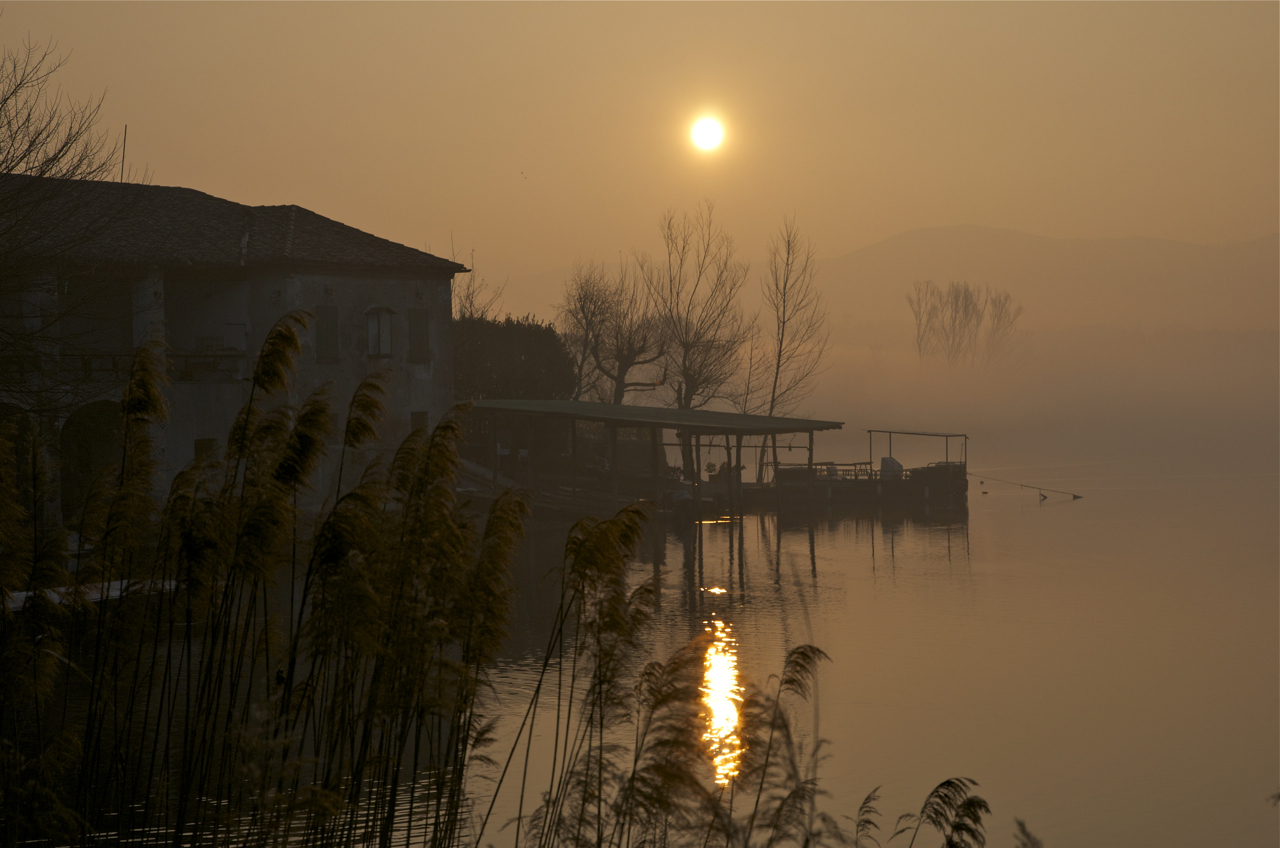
x,y
159,685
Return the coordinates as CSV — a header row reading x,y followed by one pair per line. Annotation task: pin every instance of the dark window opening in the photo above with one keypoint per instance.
x,y
379,332
327,334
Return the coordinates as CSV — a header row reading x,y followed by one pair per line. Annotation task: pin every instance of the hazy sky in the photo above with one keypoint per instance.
x,y
538,134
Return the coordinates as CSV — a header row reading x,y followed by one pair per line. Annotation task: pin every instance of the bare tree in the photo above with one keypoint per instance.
x,y
795,325
748,393
630,338
963,324
797,316
694,288
54,162
579,318
609,326
1002,317
472,296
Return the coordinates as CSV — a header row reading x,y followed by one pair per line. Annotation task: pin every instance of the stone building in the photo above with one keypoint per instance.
x,y
209,278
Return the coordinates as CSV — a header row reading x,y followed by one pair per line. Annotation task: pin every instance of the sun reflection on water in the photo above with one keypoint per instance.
x,y
721,695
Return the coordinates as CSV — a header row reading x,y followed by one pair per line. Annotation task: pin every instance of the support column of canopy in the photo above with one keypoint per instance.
x,y
573,455
697,471
493,432
655,440
613,462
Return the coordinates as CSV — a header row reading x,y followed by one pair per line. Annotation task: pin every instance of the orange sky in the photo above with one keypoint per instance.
x,y
538,134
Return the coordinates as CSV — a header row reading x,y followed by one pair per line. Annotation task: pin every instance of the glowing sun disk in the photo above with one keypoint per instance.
x,y
707,133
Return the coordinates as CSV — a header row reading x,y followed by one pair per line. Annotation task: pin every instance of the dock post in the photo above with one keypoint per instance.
x,y
728,474
811,454
737,473
654,441
493,425
697,472
613,462
573,455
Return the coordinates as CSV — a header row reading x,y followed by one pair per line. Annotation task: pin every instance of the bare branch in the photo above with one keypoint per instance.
x,y
797,315
472,297
963,324
694,288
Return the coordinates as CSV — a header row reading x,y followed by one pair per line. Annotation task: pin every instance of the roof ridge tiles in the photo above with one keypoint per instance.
x,y
174,224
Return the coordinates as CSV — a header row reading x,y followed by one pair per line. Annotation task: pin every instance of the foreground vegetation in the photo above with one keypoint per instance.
x,y
219,669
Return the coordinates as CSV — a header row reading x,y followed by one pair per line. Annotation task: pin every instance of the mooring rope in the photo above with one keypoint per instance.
x,y
1040,489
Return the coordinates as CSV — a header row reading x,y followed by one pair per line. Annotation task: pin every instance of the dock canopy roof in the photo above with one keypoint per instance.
x,y
698,421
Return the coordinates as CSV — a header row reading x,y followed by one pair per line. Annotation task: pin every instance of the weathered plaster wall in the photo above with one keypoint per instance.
x,y
215,328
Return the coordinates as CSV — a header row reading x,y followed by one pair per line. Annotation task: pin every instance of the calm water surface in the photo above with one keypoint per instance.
x,y
1108,668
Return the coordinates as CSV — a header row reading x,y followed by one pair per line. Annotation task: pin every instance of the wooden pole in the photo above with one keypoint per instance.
x,y
728,474
697,470
493,425
737,475
654,465
613,462
573,455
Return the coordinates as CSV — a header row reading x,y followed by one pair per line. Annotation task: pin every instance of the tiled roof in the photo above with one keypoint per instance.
x,y
132,223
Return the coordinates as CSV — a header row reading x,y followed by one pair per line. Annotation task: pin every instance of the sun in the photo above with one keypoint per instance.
x,y
707,133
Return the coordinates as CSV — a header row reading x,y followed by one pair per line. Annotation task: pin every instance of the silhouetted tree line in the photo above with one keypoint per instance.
x,y
511,358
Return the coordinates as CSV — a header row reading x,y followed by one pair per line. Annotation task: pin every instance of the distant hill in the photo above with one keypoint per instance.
x,y
1133,282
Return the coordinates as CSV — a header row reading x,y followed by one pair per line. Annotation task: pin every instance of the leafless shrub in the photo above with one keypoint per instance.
x,y
963,324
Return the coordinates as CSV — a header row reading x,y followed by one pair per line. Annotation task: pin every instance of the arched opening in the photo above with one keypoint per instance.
x,y
90,441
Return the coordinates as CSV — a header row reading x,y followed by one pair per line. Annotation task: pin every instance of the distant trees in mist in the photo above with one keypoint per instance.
x,y
963,324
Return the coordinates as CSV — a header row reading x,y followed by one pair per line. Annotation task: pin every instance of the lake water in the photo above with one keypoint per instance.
x,y
1107,668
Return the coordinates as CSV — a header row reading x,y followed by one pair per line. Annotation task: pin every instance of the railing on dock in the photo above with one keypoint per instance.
x,y
820,472
827,472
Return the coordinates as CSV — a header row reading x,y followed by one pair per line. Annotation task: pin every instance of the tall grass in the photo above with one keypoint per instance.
x,y
219,667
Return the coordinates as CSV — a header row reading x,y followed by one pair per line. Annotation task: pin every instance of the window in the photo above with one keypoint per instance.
x,y
379,331
419,346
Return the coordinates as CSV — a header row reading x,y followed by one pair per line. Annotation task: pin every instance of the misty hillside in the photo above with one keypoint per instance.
x,y
1133,282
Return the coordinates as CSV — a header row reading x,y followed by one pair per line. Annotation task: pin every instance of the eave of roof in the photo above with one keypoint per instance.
x,y
93,222
699,421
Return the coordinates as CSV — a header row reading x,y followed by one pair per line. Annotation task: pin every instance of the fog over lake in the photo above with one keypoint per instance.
x,y
1049,229
1100,666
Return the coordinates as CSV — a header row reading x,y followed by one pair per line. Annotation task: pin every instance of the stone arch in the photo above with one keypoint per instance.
x,y
90,442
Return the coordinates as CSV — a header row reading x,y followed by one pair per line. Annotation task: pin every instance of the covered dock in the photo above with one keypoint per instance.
x,y
510,432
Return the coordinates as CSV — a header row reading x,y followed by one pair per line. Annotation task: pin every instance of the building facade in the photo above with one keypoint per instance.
x,y
209,278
